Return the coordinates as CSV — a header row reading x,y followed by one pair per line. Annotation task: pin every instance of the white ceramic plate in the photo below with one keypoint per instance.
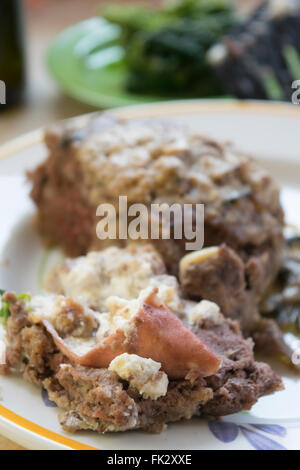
x,y
269,131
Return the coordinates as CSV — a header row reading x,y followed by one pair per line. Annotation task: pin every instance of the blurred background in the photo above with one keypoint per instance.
x,y
61,58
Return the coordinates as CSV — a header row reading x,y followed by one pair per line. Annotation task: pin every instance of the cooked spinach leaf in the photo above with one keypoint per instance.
x,y
4,310
166,47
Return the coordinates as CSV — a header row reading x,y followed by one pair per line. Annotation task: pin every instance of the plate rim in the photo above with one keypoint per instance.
x,y
35,433
21,429
163,109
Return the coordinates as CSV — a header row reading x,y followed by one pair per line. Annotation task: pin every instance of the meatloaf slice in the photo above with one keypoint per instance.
x,y
98,399
154,161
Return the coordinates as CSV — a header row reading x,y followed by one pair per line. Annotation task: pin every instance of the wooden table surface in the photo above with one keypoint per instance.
x,y
45,103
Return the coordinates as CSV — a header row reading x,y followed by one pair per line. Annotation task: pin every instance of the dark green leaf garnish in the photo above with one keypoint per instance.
x,y
25,296
166,47
4,310
292,58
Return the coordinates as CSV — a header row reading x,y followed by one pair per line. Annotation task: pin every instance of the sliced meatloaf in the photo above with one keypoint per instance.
x,y
217,274
153,161
98,399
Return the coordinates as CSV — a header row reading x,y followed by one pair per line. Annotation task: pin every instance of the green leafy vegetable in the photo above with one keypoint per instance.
x,y
25,296
271,85
292,58
196,8
4,310
166,48
173,59
134,17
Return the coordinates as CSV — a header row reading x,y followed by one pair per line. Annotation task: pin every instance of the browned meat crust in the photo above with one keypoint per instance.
x,y
65,218
98,399
222,279
235,285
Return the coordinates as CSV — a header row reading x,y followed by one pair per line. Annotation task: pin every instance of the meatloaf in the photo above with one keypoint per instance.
x,y
108,399
216,274
155,161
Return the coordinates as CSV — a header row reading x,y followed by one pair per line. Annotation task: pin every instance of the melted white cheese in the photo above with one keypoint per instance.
x,y
143,374
196,313
111,272
44,307
80,346
121,314
48,307
168,291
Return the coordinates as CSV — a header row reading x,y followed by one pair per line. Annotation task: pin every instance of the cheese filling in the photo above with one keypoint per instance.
x,y
198,313
111,272
143,374
121,313
95,325
112,281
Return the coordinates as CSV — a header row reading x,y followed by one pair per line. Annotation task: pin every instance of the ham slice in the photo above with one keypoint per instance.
x,y
156,333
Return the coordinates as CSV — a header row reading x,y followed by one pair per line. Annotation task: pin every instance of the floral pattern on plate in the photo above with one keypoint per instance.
x,y
254,433
46,399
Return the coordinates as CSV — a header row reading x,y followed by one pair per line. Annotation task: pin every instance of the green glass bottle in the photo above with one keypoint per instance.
x,y
12,67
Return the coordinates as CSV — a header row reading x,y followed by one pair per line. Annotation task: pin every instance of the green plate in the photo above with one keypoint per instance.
x,y
87,62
